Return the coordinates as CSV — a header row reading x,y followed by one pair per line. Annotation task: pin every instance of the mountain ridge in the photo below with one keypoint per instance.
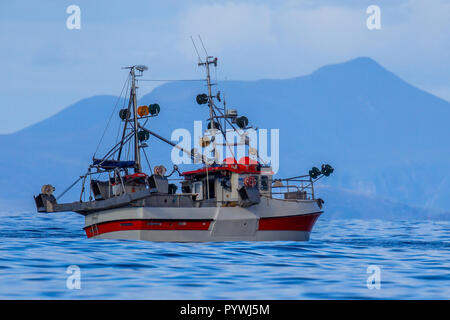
x,y
382,134
326,68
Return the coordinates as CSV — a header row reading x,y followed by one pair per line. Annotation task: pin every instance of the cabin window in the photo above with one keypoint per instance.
x,y
198,189
209,191
225,182
264,183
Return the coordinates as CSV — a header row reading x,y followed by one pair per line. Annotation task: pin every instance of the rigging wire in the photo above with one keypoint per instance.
x,y
195,47
129,150
148,162
70,187
172,80
223,114
201,41
114,149
110,117
123,107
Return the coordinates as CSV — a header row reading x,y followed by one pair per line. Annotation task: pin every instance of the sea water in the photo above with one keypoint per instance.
x,y
47,256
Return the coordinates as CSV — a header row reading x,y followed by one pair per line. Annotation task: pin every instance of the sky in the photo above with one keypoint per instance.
x,y
46,66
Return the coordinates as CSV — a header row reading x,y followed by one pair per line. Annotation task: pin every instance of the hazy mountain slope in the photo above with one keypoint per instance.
x,y
56,150
386,138
383,135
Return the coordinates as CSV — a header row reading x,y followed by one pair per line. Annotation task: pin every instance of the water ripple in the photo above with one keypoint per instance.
x,y
36,249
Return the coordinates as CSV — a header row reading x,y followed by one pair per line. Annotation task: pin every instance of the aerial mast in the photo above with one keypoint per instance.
x,y
223,115
137,154
133,102
209,60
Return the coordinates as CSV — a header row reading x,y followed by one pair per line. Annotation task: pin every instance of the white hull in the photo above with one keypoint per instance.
x,y
271,220
203,236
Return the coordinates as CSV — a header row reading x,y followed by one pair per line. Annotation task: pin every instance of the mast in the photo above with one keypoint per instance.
x,y
125,124
207,62
137,154
211,111
135,124
222,116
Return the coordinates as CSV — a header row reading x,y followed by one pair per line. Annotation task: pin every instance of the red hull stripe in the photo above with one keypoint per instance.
x,y
124,225
297,223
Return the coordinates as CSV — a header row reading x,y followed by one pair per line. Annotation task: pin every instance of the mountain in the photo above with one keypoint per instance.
x,y
384,137
387,139
56,150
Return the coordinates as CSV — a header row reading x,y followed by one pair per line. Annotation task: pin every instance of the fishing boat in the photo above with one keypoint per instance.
x,y
228,200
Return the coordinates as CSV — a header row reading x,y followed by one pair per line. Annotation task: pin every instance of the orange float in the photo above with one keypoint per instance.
x,y
143,111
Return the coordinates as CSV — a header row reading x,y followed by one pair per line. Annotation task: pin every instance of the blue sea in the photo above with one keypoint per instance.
x,y
412,259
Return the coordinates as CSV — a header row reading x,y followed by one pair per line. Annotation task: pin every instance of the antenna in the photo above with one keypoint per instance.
x,y
201,41
199,59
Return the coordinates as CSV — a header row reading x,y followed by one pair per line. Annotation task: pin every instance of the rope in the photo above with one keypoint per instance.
x,y
110,117
148,163
70,187
123,107
160,80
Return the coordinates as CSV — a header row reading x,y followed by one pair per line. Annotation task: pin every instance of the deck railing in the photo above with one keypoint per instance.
x,y
299,187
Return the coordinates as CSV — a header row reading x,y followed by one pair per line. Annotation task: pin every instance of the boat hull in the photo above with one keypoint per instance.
x,y
202,236
269,221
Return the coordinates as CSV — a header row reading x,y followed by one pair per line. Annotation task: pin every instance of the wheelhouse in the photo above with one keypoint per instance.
x,y
228,183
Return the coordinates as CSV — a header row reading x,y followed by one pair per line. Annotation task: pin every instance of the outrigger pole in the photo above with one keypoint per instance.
x,y
172,144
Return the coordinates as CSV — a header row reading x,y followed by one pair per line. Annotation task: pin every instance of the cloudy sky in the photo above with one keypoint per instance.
x,y
45,66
